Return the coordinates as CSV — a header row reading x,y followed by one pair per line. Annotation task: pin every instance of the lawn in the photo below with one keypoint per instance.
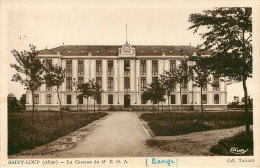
x,y
24,133
239,142
169,124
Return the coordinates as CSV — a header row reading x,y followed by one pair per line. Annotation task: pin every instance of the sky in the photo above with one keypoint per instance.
x,y
96,24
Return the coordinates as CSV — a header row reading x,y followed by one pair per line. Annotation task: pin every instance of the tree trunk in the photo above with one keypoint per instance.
x,y
169,104
94,105
245,87
33,117
246,106
87,105
201,105
181,101
77,102
158,107
162,107
58,93
33,102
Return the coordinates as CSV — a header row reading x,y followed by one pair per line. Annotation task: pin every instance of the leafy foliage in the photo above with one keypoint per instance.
x,y
229,37
55,77
177,77
29,65
13,105
23,101
154,92
200,74
96,90
86,89
200,71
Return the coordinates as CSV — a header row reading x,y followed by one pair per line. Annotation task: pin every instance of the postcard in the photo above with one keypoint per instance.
x,y
130,83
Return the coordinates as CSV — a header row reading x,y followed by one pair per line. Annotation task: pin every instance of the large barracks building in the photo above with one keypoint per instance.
x,y
123,72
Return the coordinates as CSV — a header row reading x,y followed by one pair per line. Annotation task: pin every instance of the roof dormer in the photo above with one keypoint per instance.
x,y
126,51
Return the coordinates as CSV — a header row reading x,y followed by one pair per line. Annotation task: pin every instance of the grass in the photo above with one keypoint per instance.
x,y
169,124
24,133
240,141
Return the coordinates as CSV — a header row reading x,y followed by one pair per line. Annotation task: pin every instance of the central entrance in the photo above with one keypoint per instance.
x,y
127,100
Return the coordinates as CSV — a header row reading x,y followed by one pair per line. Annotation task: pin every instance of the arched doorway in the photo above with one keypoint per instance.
x,y
127,100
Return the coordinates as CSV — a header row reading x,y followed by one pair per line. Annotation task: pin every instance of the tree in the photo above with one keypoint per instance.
x,y
23,101
180,76
31,67
86,90
13,105
154,92
55,77
75,85
96,92
169,84
200,75
250,101
229,36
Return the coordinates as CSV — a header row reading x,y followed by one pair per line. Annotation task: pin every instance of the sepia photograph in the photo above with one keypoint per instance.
x,y
160,83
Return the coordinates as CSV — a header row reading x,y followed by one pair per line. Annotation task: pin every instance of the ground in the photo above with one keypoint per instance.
x,y
196,144
122,134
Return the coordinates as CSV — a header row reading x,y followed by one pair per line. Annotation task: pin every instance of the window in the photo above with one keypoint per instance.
x,y
36,98
205,86
48,64
154,102
110,67
110,99
69,83
184,84
110,83
127,66
48,88
143,83
216,98
99,81
215,82
69,67
68,99
204,99
80,99
127,83
143,67
99,67
80,80
172,65
48,99
173,101
99,99
184,99
154,67
80,67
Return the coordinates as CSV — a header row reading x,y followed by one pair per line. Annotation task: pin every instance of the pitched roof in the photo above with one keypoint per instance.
x,y
46,52
112,50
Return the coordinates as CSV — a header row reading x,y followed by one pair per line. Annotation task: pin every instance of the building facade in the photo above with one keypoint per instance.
x,y
123,72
